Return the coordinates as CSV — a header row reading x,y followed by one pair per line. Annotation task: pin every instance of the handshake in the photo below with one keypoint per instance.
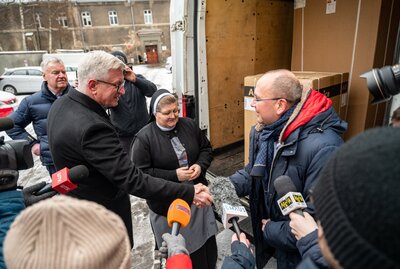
x,y
202,196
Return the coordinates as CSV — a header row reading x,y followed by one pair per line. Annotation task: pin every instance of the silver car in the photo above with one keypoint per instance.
x,y
19,80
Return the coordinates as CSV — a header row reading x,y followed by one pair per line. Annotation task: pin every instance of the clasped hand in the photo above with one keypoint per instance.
x,y
188,173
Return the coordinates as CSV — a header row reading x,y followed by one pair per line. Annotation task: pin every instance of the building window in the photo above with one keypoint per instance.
x,y
86,19
148,17
62,20
112,17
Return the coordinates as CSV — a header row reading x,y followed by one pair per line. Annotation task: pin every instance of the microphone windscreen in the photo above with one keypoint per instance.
x,y
223,191
283,185
77,173
6,124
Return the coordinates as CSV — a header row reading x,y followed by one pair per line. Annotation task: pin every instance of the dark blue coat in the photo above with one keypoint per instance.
x,y
302,154
11,203
241,257
309,248
34,109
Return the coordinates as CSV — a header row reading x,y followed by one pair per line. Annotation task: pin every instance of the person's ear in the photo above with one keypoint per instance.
x,y
281,106
92,86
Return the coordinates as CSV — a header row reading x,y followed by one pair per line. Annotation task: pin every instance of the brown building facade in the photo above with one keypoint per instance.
x,y
139,28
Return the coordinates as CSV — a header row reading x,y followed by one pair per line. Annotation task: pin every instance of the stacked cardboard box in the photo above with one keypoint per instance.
x,y
333,85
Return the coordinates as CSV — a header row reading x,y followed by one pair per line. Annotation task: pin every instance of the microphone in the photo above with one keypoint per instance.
x,y
64,180
178,215
227,203
6,124
289,199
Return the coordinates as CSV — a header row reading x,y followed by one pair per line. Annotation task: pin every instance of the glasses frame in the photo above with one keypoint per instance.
x,y
118,87
267,99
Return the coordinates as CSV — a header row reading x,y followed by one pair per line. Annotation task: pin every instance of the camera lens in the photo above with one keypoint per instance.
x,y
383,82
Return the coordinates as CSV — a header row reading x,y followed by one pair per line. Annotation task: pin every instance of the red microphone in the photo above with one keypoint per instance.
x,y
64,180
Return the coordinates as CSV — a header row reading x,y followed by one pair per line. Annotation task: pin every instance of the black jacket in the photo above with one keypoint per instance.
x,y
80,132
153,153
131,114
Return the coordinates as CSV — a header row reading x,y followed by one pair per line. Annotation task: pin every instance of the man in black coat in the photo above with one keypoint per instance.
x,y
81,133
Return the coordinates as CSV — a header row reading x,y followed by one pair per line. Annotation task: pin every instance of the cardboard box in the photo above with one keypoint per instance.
x,y
333,85
358,36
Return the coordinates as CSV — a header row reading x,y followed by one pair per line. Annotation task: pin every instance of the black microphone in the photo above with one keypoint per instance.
x,y
6,124
289,200
227,203
65,180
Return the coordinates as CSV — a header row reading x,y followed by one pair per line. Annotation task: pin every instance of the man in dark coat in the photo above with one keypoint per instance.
x,y
296,133
34,109
81,133
131,114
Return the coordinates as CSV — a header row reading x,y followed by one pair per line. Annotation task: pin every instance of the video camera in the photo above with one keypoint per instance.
x,y
383,82
14,155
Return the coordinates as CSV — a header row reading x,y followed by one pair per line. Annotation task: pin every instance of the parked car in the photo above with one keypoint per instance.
x,y
18,80
8,103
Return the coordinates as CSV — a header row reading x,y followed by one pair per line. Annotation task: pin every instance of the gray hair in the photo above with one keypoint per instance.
x,y
286,85
95,65
45,62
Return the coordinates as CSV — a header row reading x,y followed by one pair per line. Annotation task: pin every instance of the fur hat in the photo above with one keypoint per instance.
x,y
154,102
66,233
357,200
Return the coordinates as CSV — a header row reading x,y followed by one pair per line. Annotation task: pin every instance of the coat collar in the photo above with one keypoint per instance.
x,y
87,102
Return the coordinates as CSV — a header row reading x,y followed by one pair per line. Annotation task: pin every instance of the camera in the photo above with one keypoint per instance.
x,y
14,155
383,82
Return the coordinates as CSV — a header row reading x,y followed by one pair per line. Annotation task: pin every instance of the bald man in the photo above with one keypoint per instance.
x,y
296,132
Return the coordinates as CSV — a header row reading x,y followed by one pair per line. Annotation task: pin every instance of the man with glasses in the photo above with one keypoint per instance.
x,y
34,109
295,134
131,114
80,132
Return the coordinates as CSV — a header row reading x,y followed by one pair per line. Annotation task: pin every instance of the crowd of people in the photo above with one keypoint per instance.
x,y
350,188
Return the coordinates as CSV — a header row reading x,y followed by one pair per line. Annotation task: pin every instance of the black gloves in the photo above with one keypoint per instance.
x,y
29,193
172,245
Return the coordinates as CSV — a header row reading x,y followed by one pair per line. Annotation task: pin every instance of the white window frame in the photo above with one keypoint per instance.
x,y
86,19
113,17
63,21
148,16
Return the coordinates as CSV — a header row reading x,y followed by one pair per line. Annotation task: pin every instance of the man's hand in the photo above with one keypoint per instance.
x,y
36,149
172,245
301,226
195,171
129,74
243,239
264,223
183,173
202,196
29,193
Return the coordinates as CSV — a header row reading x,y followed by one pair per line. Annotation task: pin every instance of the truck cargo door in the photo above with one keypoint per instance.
x,y
189,66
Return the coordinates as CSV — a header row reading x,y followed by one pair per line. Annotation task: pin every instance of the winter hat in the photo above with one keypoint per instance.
x,y
67,233
357,200
120,55
155,99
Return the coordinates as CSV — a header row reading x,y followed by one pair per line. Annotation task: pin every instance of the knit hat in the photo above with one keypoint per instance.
x,y
67,233
120,55
357,200
154,102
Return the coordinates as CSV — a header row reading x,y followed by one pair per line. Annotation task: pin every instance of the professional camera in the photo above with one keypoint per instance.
x,y
383,82
14,155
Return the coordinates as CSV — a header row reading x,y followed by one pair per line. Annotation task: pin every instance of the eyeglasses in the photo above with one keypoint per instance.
x,y
167,113
255,99
118,87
